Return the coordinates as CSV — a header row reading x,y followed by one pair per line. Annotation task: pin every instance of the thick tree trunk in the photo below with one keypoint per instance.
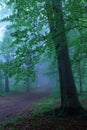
x,y
6,84
69,99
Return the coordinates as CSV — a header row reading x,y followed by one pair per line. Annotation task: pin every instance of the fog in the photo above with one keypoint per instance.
x,y
46,74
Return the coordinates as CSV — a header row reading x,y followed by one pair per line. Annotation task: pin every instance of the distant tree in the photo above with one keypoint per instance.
x,y
6,84
6,54
1,83
28,78
78,49
7,89
75,21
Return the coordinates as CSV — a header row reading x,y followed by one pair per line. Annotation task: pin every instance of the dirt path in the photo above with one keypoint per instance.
x,y
11,106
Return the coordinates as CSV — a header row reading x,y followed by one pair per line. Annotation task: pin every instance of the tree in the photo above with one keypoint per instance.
x,y
28,65
26,26
69,100
28,22
6,84
78,59
75,21
1,83
7,55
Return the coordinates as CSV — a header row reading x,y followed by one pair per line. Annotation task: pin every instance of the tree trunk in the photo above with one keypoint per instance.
x,y
69,99
80,77
1,84
6,84
28,85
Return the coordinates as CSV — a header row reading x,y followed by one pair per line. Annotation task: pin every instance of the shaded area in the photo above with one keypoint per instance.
x,y
12,106
47,123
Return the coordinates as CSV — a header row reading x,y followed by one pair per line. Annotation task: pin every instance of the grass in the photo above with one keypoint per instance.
x,y
46,104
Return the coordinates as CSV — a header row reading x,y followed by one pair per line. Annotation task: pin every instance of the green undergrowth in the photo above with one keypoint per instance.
x,y
83,99
47,104
53,101
44,106
12,122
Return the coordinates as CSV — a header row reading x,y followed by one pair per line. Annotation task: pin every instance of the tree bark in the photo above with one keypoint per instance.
x,y
1,84
28,85
69,99
6,84
80,77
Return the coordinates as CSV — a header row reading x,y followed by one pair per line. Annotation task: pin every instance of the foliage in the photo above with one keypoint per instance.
x,y
27,25
31,36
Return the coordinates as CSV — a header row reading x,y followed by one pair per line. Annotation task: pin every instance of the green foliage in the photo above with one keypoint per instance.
x,y
29,35
27,23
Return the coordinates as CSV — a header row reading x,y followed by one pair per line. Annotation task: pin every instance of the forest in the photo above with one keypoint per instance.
x,y
43,64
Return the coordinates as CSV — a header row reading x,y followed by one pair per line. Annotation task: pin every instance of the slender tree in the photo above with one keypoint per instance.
x,y
6,84
1,83
69,99
7,89
28,65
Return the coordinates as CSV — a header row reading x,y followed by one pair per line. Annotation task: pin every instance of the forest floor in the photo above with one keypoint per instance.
x,y
11,106
31,106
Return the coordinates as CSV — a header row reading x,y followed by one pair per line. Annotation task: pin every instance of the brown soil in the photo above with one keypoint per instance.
x,y
11,106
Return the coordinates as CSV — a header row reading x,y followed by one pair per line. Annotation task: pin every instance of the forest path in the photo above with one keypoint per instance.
x,y
11,106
